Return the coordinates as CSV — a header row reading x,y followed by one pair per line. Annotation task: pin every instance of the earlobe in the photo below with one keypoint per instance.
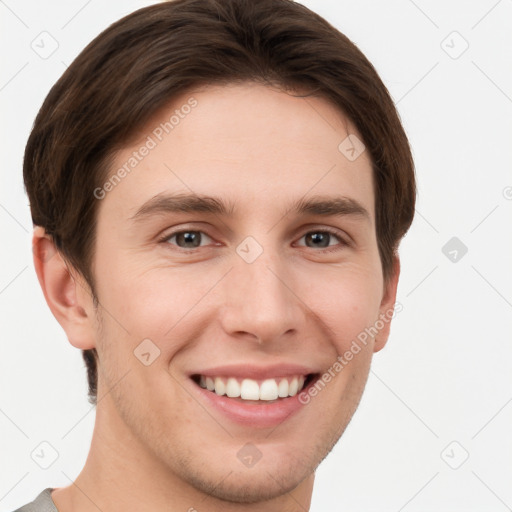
x,y
387,307
69,300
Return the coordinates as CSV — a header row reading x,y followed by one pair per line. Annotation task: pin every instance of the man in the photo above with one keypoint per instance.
x,y
218,190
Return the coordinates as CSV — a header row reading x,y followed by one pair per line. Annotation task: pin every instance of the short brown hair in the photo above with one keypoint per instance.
x,y
138,64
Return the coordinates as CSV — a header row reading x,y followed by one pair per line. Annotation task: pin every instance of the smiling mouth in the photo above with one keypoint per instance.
x,y
255,391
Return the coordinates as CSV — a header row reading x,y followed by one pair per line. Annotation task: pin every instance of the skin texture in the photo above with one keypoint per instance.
x,y
156,446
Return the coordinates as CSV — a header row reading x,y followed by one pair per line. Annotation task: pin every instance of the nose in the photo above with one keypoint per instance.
x,y
259,303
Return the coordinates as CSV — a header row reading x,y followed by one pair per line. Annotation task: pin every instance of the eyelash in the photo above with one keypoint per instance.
x,y
343,243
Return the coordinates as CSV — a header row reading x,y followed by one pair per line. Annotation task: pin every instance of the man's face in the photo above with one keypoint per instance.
x,y
257,293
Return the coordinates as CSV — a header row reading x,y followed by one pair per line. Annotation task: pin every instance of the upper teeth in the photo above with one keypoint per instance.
x,y
249,389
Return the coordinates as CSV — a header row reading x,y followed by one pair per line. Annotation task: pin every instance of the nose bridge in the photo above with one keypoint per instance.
x,y
258,297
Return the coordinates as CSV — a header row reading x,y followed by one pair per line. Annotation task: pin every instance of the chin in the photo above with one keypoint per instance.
x,y
251,486
279,471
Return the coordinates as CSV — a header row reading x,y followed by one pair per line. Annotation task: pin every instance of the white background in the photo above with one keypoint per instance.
x,y
445,374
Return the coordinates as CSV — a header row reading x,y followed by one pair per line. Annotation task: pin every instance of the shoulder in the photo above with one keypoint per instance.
x,y
42,503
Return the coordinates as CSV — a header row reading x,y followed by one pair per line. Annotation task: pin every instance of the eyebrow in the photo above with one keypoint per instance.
x,y
193,203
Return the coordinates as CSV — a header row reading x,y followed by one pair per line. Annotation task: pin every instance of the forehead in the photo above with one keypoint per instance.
x,y
251,144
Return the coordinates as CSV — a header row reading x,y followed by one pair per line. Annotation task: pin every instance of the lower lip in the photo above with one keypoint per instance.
x,y
261,414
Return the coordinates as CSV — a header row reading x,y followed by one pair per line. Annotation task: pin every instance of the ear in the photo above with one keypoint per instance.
x,y
387,306
68,296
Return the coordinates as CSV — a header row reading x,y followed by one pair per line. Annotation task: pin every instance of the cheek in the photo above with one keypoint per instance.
x,y
347,302
143,301
166,306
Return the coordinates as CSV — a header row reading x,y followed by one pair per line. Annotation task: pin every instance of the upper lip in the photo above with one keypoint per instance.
x,y
244,370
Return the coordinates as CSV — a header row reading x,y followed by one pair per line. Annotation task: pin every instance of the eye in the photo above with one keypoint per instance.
x,y
187,239
322,238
